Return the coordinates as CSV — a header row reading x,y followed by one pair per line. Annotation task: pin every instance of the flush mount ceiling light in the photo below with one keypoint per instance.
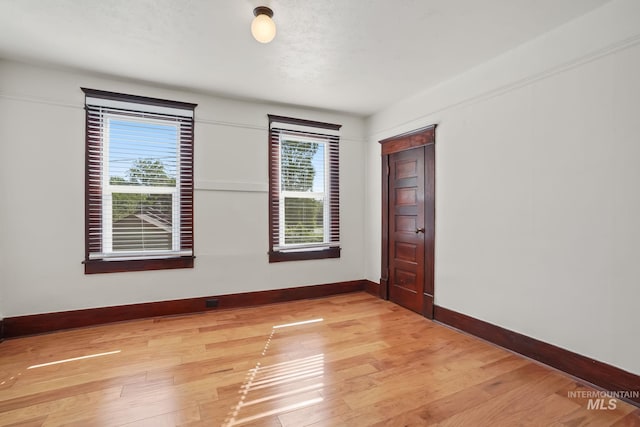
x,y
263,28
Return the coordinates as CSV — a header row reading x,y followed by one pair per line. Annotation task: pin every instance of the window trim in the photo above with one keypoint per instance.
x,y
327,249
110,264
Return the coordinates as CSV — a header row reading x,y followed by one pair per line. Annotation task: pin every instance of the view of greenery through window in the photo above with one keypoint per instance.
x,y
147,172
302,174
142,154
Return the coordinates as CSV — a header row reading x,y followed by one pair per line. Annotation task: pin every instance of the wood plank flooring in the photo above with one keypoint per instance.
x,y
347,360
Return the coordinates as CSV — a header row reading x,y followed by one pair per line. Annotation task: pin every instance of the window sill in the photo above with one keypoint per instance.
x,y
102,266
304,255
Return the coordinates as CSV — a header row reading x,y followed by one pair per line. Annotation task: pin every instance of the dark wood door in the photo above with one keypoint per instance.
x,y
406,228
408,220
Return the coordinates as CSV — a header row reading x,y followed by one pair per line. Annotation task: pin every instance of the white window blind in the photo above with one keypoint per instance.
x,y
304,187
139,177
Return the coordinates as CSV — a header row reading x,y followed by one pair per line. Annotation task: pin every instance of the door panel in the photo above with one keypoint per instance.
x,y
408,219
406,251
406,228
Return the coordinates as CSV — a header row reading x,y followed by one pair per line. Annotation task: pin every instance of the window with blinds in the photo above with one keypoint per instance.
x,y
139,183
304,195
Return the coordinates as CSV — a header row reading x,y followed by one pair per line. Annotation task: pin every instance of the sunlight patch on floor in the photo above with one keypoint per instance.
x,y
279,387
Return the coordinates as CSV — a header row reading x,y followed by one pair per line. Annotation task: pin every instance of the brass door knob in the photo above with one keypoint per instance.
x,y
420,230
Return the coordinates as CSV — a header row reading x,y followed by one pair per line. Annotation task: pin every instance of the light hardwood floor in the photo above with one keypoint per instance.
x,y
358,361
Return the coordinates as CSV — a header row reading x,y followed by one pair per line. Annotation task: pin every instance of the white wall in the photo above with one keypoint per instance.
x,y
537,186
42,193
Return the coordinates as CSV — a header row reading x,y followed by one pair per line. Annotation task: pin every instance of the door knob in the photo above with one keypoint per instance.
x,y
420,230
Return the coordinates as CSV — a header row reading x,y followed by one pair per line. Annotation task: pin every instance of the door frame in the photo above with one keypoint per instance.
x,y
417,138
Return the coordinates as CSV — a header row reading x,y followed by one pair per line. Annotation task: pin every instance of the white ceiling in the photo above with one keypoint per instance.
x,y
356,56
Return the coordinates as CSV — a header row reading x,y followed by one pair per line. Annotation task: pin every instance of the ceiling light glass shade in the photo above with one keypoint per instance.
x,y
263,28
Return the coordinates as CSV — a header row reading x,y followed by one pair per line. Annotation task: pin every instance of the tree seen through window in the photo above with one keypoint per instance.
x,y
142,177
302,186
